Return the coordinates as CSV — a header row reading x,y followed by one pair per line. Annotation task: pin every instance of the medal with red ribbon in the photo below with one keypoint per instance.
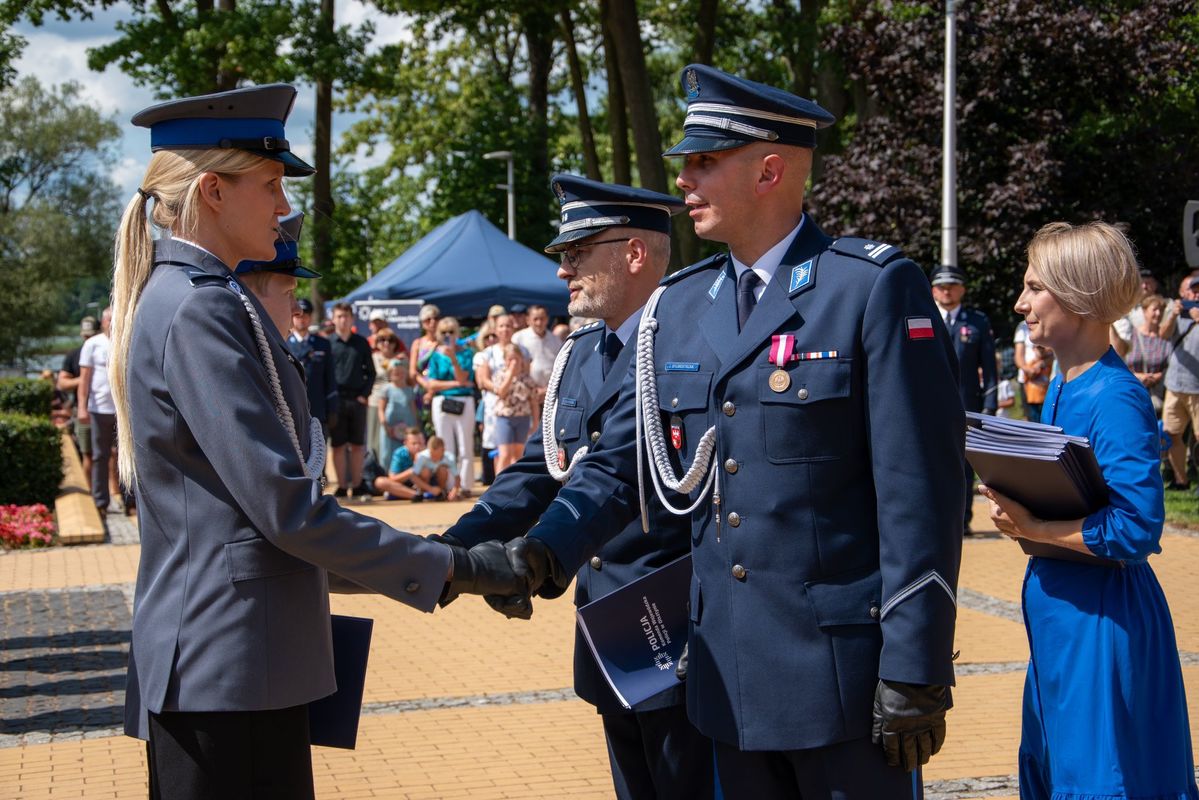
x,y
781,346
676,433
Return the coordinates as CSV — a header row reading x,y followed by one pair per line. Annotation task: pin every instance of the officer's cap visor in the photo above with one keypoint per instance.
x,y
564,240
293,165
703,144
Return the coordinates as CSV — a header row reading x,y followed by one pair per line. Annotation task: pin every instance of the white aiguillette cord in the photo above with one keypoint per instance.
x,y
314,466
649,430
549,444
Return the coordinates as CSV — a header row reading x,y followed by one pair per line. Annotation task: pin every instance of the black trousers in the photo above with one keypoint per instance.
x,y
853,770
230,755
659,754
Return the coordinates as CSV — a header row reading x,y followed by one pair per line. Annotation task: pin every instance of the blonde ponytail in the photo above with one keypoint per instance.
x,y
172,183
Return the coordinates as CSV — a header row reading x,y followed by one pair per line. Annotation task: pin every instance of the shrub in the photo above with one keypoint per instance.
x,y
32,466
30,396
26,526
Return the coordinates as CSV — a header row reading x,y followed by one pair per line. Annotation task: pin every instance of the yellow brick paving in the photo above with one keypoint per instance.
x,y
537,749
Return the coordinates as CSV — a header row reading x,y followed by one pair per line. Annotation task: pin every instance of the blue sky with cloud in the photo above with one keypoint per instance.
x,y
57,52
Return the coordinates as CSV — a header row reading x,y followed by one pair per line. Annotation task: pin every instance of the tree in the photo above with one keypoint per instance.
x,y
56,209
1051,125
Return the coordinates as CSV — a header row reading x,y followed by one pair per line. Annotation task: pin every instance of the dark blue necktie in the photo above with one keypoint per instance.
x,y
612,347
746,283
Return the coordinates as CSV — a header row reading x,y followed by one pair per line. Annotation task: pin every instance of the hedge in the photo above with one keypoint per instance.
x,y
32,468
30,396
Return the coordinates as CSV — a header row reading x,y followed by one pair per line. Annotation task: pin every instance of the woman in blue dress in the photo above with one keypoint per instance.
x,y
1105,713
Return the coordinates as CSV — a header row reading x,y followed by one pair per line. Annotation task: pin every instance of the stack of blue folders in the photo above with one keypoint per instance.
x,y
1054,475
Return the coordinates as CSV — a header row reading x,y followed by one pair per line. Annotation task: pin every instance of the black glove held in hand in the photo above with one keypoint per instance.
x,y
909,721
680,669
532,559
483,569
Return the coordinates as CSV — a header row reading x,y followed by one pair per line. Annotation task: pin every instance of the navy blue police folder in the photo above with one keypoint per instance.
x,y
1051,473
333,720
637,632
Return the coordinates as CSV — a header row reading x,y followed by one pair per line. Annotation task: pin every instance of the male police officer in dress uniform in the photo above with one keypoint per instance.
x,y
231,630
974,343
316,354
615,245
811,378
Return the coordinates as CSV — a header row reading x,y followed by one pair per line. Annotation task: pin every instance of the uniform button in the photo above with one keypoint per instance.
x,y
739,572
562,431
730,466
413,587
596,563
803,394
734,519
674,402
874,612
595,436
728,408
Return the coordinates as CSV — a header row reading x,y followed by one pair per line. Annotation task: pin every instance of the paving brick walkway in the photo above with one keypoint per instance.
x,y
461,703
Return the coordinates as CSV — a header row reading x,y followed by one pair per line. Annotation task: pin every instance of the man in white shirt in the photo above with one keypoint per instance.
x,y
540,344
96,405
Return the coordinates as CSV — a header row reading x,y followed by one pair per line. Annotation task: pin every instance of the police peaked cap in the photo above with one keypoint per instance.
x,y
946,274
287,251
249,119
724,111
589,207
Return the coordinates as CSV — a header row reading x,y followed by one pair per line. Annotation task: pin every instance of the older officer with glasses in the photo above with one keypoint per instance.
x,y
615,245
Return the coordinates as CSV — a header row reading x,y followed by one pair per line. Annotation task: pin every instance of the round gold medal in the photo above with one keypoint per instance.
x,y
780,380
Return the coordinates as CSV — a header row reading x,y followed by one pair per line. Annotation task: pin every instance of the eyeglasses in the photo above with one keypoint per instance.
x,y
571,254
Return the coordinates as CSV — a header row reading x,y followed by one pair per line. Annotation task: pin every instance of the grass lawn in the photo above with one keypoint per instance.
x,y
1182,508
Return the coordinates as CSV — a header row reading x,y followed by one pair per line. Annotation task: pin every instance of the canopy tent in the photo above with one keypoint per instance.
x,y
465,265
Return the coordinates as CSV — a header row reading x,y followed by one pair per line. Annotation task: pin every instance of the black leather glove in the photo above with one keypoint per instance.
x,y
909,721
518,606
531,558
680,669
483,569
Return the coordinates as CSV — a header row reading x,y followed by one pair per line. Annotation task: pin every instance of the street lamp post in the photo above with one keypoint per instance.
x,y
510,186
949,170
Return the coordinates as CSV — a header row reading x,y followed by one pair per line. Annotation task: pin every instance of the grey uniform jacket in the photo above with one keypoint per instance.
x,y
231,611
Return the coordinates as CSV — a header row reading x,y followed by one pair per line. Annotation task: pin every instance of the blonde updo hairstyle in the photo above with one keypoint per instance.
x,y
172,181
1091,269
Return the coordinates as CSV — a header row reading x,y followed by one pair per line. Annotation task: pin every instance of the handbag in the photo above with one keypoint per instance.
x,y
452,405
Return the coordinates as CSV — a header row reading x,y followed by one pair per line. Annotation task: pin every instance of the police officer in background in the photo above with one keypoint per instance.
x,y
231,631
974,343
614,242
814,417
315,353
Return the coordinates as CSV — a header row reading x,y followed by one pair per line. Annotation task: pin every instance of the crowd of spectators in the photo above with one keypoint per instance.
x,y
476,393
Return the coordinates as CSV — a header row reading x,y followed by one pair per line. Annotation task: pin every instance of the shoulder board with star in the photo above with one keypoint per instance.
x,y
708,263
878,253
590,327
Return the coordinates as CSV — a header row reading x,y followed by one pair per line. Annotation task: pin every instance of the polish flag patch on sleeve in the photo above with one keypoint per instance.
x,y
920,328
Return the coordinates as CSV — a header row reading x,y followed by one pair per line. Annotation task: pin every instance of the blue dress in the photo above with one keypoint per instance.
x,y
1105,713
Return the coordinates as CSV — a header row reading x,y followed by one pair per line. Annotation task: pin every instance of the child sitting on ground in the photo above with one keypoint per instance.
x,y
437,469
401,482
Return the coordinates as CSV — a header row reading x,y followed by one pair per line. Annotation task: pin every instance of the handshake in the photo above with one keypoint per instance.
x,y
506,574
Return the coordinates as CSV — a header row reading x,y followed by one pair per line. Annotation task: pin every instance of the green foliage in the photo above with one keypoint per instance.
x,y
1067,111
30,396
32,448
57,208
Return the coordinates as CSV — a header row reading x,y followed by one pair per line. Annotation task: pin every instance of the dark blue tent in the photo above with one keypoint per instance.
x,y
465,265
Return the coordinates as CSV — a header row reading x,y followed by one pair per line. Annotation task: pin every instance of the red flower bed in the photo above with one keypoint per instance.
x,y
26,526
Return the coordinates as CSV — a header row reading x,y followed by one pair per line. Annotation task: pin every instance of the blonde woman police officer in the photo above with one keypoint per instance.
x,y
231,632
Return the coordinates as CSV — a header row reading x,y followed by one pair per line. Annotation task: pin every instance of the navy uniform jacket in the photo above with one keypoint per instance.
x,y
316,354
974,345
231,610
524,490
832,558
